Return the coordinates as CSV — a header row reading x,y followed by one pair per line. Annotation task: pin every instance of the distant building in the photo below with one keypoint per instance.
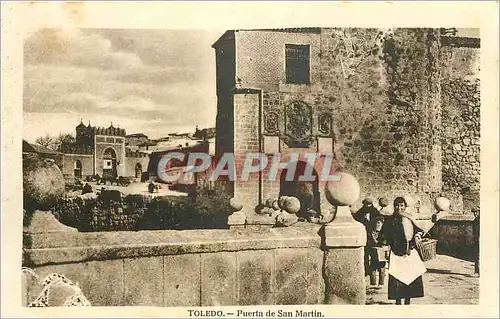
x,y
133,141
103,151
44,152
205,134
111,152
178,142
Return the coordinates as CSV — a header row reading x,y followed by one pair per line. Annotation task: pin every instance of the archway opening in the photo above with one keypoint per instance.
x,y
307,191
77,169
138,170
109,165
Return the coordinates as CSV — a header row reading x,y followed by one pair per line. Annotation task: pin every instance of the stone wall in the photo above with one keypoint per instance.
x,y
68,164
386,114
130,164
455,235
168,268
225,80
460,98
260,57
461,132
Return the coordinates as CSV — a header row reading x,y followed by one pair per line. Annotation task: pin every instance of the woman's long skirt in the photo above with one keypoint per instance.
x,y
399,290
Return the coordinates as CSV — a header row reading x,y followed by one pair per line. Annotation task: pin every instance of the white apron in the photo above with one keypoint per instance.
x,y
406,268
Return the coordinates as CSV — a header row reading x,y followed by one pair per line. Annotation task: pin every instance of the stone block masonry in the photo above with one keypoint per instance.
x,y
461,123
192,268
246,140
393,98
385,106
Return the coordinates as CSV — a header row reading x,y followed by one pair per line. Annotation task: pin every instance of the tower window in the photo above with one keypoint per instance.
x,y
297,63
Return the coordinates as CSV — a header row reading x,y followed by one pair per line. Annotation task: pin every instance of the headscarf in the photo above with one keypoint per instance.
x,y
399,200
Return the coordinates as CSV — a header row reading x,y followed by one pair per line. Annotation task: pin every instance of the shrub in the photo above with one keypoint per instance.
x,y
72,183
164,212
204,210
75,212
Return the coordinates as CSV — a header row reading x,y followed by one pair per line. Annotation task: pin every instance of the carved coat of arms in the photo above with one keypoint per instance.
x,y
271,123
298,124
325,124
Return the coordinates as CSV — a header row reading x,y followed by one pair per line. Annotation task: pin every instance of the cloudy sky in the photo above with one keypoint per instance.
x,y
149,81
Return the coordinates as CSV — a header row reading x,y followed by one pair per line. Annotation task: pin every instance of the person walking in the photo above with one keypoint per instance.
x,y
364,215
401,233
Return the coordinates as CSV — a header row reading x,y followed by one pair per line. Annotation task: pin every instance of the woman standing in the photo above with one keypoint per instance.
x,y
400,232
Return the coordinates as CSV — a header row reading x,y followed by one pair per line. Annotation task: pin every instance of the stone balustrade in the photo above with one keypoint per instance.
x,y
184,268
303,264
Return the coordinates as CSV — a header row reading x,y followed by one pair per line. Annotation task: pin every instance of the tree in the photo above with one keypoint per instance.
x,y
63,138
46,141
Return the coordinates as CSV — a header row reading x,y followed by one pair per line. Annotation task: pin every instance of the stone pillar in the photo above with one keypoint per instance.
x,y
246,140
238,218
344,240
43,186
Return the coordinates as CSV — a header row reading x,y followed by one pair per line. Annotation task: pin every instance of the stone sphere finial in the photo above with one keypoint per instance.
x,y
292,205
275,205
383,202
235,205
442,204
269,202
43,183
343,192
281,202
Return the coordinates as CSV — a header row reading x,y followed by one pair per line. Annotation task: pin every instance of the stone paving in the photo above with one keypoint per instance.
x,y
448,280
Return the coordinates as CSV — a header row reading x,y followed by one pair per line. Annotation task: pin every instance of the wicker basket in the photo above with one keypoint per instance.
x,y
426,248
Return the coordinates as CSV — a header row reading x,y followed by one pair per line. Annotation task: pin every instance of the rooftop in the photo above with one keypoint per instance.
x,y
36,148
137,135
229,34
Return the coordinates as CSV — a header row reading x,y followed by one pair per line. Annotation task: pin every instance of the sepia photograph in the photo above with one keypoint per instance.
x,y
297,165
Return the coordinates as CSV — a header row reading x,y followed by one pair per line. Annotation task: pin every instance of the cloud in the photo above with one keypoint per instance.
x,y
73,47
83,102
90,102
65,89
164,80
159,75
167,48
